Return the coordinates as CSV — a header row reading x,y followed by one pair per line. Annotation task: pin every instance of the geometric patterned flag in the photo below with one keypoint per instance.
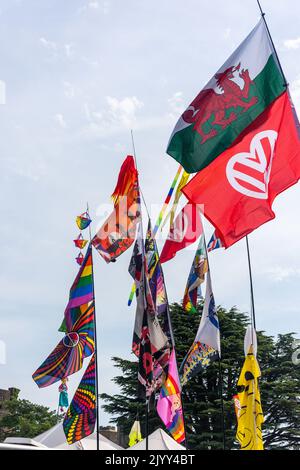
x,y
244,86
214,243
73,314
82,290
118,232
67,357
250,415
196,278
239,187
169,405
80,418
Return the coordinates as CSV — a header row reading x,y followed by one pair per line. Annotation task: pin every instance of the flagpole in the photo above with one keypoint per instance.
x,y
168,313
221,390
96,348
147,423
273,45
253,316
143,248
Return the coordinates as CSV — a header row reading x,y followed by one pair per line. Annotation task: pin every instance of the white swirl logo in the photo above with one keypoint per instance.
x,y
256,160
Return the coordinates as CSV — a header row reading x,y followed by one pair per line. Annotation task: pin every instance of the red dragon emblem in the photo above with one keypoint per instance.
x,y
209,103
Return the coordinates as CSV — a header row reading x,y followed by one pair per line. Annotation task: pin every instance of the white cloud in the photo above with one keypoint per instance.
x,y
69,90
118,114
292,44
280,273
94,5
60,120
104,6
57,50
124,110
50,45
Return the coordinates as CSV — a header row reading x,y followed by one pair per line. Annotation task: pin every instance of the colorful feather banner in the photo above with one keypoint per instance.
x,y
67,357
74,314
80,419
82,290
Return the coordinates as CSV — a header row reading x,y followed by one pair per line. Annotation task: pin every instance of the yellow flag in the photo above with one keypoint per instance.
x,y
250,416
135,435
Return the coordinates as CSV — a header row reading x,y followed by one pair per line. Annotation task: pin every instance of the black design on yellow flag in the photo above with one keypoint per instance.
x,y
250,415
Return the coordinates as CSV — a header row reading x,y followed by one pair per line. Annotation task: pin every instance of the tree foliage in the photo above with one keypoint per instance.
x,y
279,386
25,419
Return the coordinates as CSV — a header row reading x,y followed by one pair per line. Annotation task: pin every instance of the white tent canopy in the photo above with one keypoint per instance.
x,y
158,440
55,438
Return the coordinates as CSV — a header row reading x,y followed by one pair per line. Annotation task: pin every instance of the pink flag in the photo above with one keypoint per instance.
x,y
185,231
169,406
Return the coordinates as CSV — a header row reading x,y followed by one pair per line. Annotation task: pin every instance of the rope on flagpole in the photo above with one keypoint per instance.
x,y
272,42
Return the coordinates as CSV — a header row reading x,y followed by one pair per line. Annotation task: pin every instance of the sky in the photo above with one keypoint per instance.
x,y
76,76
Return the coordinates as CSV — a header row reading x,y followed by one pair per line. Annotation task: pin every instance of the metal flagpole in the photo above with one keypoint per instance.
x,y
271,39
253,317
96,348
147,422
221,390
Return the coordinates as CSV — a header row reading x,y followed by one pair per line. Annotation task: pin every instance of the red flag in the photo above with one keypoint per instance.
x,y
238,188
185,231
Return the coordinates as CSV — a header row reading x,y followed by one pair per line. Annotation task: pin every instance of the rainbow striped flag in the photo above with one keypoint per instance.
x,y
169,406
82,290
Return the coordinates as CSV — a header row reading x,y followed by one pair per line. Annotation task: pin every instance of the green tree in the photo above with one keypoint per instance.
x,y
25,419
279,386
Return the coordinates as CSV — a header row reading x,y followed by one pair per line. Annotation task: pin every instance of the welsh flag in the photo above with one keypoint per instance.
x,y
244,87
238,188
